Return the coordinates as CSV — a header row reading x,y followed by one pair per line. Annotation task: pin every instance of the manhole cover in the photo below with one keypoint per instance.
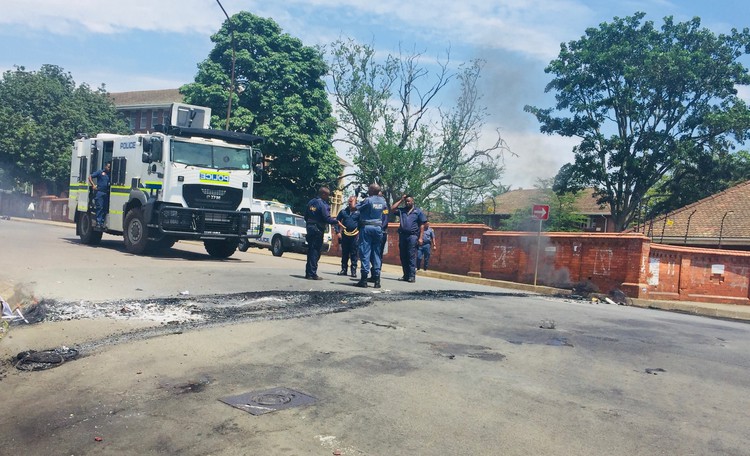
x,y
260,402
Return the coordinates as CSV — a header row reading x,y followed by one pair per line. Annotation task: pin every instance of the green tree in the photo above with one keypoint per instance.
x,y
643,100
41,112
279,93
384,112
690,182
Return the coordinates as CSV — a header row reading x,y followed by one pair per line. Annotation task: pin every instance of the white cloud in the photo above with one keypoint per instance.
x,y
532,27
109,17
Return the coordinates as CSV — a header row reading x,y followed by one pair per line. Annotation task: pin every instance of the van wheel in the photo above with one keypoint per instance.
x,y
277,248
135,234
243,245
220,249
85,228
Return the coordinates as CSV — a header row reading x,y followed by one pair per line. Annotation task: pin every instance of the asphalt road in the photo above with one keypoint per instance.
x,y
431,368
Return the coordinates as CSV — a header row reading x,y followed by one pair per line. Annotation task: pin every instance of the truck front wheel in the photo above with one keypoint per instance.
x,y
85,228
136,234
220,248
277,247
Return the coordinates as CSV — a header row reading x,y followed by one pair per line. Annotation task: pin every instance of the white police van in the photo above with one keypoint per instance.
x,y
283,230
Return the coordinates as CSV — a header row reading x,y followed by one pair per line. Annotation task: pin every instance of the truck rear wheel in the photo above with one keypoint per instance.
x,y
243,245
85,228
220,248
135,234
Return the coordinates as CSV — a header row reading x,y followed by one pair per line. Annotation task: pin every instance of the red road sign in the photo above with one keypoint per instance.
x,y
540,212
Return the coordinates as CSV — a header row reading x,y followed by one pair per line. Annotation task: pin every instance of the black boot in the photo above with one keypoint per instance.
x,y
354,272
341,272
377,281
362,281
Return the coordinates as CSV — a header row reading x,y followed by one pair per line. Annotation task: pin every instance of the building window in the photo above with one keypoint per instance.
x,y
133,119
144,120
155,118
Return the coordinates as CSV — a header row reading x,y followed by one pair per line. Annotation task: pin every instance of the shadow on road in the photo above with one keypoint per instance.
x,y
173,253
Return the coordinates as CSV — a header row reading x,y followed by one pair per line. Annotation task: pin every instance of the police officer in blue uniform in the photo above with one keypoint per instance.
x,y
317,218
101,197
383,242
348,232
371,234
411,228
425,250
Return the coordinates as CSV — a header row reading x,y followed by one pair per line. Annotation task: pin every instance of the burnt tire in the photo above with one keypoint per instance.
x,y
136,232
277,247
220,248
86,231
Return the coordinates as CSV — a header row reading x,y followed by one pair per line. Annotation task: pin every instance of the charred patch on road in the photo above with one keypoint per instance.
x,y
174,315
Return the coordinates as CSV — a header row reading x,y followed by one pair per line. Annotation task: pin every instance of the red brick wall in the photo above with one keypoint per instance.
x,y
625,261
695,274
564,258
453,254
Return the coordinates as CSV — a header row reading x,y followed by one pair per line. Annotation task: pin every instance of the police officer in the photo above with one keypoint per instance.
x,y
371,234
348,234
317,218
101,197
384,241
411,228
425,250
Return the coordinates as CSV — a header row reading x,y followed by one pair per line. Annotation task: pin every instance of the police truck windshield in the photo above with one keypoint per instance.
x,y
209,156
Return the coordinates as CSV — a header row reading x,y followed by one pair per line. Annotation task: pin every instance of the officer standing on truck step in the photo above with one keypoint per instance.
x,y
317,218
101,195
371,234
348,234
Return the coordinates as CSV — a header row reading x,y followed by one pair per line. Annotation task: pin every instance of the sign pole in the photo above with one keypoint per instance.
x,y
538,246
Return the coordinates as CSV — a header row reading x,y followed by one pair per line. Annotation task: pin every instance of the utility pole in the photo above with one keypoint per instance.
x,y
231,81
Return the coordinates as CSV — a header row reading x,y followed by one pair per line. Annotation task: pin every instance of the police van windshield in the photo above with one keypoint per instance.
x,y
210,156
284,218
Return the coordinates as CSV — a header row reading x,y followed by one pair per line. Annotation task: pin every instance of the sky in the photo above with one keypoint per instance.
x,y
148,45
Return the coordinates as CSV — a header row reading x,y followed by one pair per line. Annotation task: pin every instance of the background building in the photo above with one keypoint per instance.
x,y
146,108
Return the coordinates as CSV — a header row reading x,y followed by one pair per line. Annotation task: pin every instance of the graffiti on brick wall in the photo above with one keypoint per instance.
x,y
671,267
741,273
700,272
503,255
654,264
603,262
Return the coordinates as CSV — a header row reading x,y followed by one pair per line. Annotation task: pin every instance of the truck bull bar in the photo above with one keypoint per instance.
x,y
209,223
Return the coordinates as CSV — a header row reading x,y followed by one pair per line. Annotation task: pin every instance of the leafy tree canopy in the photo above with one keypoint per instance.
x,y
690,182
398,141
644,100
279,93
41,112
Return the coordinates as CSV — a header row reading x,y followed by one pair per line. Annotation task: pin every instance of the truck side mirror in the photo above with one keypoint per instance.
x,y
258,160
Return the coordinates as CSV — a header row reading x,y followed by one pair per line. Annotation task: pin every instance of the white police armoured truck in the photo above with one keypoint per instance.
x,y
178,182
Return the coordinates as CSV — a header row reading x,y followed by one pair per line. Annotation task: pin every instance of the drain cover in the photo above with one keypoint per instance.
x,y
260,402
